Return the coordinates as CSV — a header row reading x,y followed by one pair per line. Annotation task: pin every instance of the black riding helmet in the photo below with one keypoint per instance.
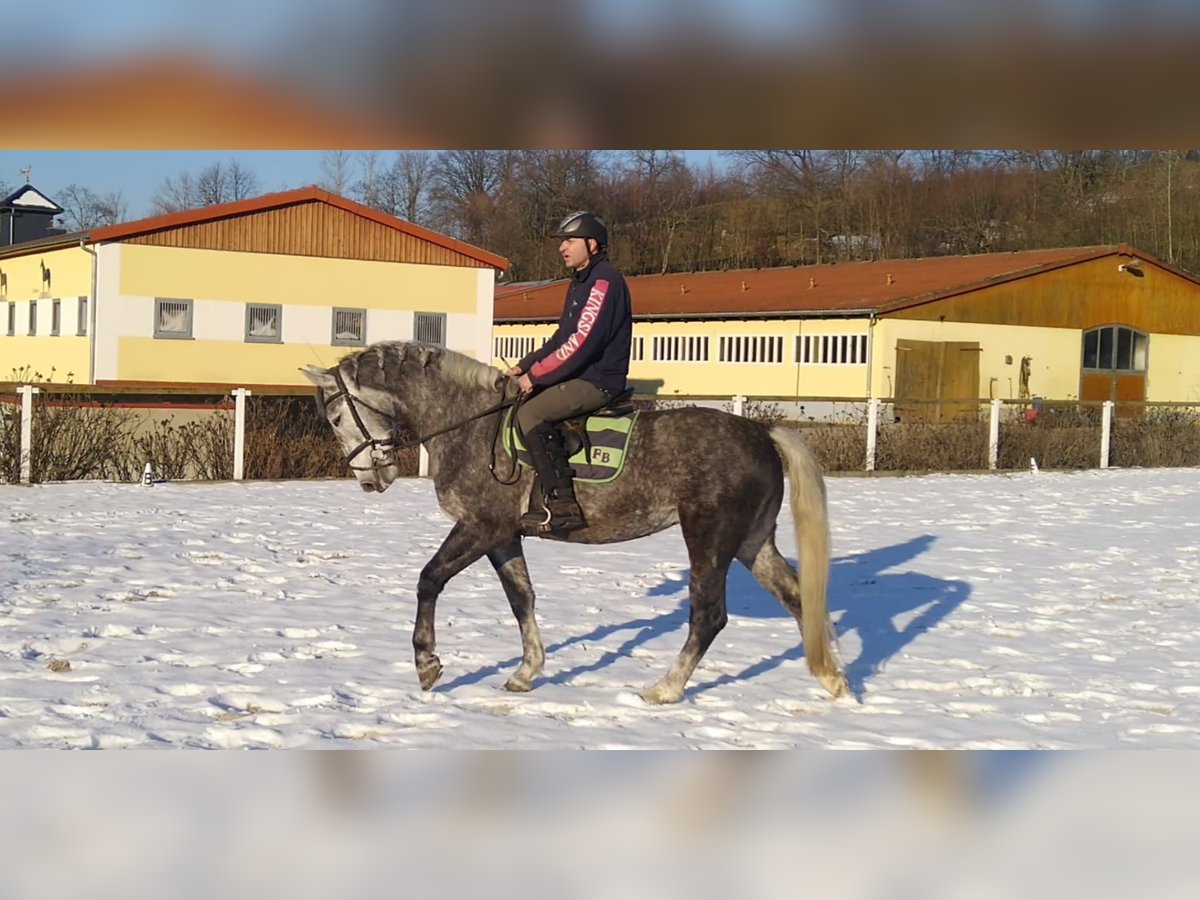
x,y
583,224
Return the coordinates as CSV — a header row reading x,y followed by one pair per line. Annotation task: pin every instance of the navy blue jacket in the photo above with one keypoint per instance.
x,y
594,333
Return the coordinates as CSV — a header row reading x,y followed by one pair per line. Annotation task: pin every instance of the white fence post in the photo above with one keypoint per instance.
x,y
994,436
1106,433
239,432
423,462
27,391
739,405
872,431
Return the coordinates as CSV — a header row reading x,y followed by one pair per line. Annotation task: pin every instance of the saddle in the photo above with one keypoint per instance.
x,y
574,431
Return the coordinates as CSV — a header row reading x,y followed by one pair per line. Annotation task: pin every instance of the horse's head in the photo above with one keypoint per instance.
x,y
363,418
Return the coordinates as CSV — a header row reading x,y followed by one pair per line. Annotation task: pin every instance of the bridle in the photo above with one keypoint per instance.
x,y
384,450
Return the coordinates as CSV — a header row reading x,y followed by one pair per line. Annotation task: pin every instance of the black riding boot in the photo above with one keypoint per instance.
x,y
559,510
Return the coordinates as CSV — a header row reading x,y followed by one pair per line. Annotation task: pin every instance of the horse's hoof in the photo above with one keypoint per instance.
x,y
518,685
659,696
429,673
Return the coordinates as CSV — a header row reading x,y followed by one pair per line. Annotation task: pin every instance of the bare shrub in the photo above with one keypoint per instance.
x,y
840,447
1160,437
929,446
764,413
10,442
1052,446
286,437
198,450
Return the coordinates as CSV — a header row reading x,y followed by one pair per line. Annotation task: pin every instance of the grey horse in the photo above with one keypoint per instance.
x,y
718,476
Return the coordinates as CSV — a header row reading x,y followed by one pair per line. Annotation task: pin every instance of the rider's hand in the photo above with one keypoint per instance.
x,y
514,372
525,384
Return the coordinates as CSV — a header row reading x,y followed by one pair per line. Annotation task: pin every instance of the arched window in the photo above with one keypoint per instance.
x,y
1115,348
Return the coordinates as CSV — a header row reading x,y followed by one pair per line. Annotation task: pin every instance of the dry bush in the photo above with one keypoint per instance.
x,y
1159,437
1053,446
192,451
10,442
839,447
930,446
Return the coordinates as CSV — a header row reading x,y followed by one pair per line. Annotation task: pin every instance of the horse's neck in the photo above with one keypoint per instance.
x,y
448,404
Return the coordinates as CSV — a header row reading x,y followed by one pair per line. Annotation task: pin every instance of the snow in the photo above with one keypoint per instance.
x,y
1033,610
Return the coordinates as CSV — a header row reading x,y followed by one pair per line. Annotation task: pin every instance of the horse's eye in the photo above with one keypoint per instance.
x,y
336,421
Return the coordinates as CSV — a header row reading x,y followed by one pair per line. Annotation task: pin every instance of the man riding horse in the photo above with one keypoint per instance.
x,y
579,370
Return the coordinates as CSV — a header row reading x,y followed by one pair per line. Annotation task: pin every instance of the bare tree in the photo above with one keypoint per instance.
x,y
465,187
401,189
218,183
337,171
84,209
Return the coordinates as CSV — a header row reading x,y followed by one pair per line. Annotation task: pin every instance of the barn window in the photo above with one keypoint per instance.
x,y
264,323
430,328
81,317
172,318
1115,348
679,348
767,348
349,327
637,349
32,317
513,349
55,317
831,349
12,319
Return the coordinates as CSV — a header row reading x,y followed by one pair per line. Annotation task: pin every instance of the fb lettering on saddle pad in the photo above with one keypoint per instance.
x,y
608,442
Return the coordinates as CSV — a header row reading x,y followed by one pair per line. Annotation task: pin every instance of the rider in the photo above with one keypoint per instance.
x,y
578,370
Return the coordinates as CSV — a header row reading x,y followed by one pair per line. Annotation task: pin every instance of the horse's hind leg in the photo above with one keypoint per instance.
x,y
509,563
705,621
775,573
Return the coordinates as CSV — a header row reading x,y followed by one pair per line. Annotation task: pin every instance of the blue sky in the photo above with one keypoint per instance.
x,y
137,174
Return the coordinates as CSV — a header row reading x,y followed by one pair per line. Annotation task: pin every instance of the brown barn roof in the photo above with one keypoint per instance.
x,y
842,289
125,230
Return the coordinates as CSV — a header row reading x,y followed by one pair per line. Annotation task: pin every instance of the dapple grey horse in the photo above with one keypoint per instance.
x,y
718,476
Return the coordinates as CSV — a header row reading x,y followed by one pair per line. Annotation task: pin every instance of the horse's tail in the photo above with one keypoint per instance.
x,y
812,544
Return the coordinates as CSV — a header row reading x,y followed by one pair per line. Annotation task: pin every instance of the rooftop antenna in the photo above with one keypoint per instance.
x,y
27,171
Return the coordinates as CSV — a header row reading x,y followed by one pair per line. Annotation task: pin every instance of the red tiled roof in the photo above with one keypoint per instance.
x,y
288,198
862,287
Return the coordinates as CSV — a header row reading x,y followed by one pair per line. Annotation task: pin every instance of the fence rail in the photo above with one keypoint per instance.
x,y
869,424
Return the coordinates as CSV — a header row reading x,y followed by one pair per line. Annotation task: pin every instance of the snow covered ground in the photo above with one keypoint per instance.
x,y
975,611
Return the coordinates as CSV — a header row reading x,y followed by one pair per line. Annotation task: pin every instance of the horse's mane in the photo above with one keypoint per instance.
x,y
465,371
455,367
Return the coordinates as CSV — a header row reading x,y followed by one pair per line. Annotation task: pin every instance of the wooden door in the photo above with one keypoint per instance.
x,y
943,374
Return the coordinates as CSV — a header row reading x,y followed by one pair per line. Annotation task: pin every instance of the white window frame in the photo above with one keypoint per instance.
x,y
32,318
81,315
173,304
55,318
12,318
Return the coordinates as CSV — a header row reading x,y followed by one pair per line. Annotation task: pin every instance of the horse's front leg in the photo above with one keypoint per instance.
x,y
464,545
509,563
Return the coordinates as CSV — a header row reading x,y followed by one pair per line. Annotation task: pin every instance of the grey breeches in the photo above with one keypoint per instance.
x,y
558,402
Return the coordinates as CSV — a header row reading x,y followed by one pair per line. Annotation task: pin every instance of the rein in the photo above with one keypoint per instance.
x,y
381,448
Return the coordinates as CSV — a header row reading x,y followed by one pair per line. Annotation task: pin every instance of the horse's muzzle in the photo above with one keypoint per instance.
x,y
369,486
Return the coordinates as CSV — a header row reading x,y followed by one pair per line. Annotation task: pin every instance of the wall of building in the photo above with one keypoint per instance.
x,y
1174,368
62,357
221,283
763,357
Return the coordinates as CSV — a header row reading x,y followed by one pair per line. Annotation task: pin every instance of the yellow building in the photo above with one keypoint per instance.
x,y
239,294
1090,323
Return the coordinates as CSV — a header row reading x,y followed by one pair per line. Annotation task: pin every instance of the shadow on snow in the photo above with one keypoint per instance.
x,y
867,596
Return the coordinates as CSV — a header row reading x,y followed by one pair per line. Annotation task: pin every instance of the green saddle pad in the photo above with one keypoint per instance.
x,y
609,437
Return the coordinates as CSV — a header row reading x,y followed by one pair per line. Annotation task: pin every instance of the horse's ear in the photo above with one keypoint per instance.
x,y
318,376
